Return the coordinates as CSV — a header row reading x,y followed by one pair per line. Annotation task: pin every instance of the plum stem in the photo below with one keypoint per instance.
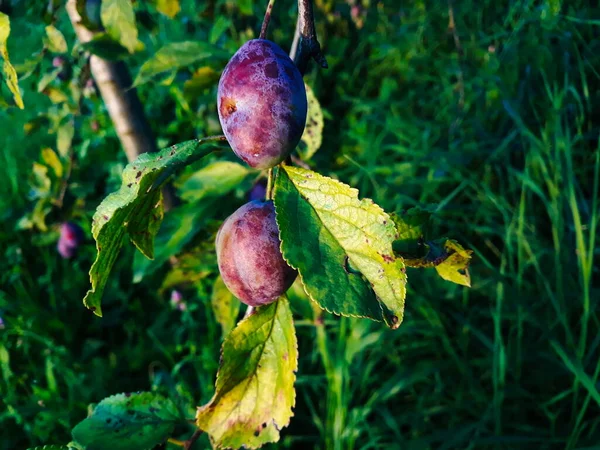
x,y
266,20
269,191
308,45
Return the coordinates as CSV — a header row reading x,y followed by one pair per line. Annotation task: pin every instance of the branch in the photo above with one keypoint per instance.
x,y
123,105
308,46
266,20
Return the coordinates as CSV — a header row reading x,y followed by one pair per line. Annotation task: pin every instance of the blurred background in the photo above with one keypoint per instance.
x,y
487,108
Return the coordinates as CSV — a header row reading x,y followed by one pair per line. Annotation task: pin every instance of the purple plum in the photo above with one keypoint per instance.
x,y
258,191
262,104
71,236
249,255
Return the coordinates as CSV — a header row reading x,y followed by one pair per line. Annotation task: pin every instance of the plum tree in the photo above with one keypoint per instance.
x,y
249,255
262,104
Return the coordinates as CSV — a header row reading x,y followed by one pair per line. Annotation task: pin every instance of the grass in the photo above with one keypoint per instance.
x,y
499,128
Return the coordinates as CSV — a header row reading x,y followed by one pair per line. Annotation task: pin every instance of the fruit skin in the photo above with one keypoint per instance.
x,y
71,237
258,191
262,104
249,255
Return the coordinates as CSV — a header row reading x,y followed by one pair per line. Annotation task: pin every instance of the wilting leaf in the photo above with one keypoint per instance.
x,y
255,385
9,72
128,421
340,245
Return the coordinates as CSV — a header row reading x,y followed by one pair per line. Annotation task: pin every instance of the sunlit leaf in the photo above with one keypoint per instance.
x,y
255,385
169,8
341,246
64,137
455,267
216,179
51,159
225,306
313,131
119,20
135,209
127,421
55,41
177,55
9,72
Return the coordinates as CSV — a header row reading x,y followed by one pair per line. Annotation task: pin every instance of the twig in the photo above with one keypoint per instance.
x,y
308,45
269,192
266,20
123,105
188,444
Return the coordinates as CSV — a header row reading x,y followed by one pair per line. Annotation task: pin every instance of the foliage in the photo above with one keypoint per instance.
x,y
491,119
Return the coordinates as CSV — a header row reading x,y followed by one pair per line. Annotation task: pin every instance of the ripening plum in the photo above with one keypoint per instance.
x,y
262,104
71,237
249,256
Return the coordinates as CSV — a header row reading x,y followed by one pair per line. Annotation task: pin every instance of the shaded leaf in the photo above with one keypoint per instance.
x,y
126,421
55,41
413,228
216,179
176,55
255,385
119,20
313,131
135,209
190,266
203,78
9,72
340,245
104,46
225,306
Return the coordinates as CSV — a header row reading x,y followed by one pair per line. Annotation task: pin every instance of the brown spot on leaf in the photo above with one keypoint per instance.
x,y
139,174
387,258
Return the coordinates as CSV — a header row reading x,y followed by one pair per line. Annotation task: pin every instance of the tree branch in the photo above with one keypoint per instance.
x,y
266,20
308,46
123,105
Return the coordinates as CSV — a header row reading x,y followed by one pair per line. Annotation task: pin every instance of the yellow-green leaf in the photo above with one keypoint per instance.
x,y
169,8
51,159
255,385
341,246
118,18
224,305
9,72
455,267
55,41
313,131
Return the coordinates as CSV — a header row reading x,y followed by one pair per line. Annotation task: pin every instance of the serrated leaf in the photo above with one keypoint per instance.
x,y
340,245
106,47
177,55
169,8
55,41
313,131
127,421
216,179
119,20
255,385
224,305
135,209
9,72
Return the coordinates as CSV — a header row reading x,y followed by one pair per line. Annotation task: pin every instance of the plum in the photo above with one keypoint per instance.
x,y
249,255
262,104
258,191
71,237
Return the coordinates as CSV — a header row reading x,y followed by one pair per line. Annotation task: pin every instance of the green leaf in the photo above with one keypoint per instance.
x,y
127,421
9,72
53,447
340,245
104,46
215,179
51,160
135,209
255,385
55,41
119,20
225,306
313,131
64,137
177,55
413,228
